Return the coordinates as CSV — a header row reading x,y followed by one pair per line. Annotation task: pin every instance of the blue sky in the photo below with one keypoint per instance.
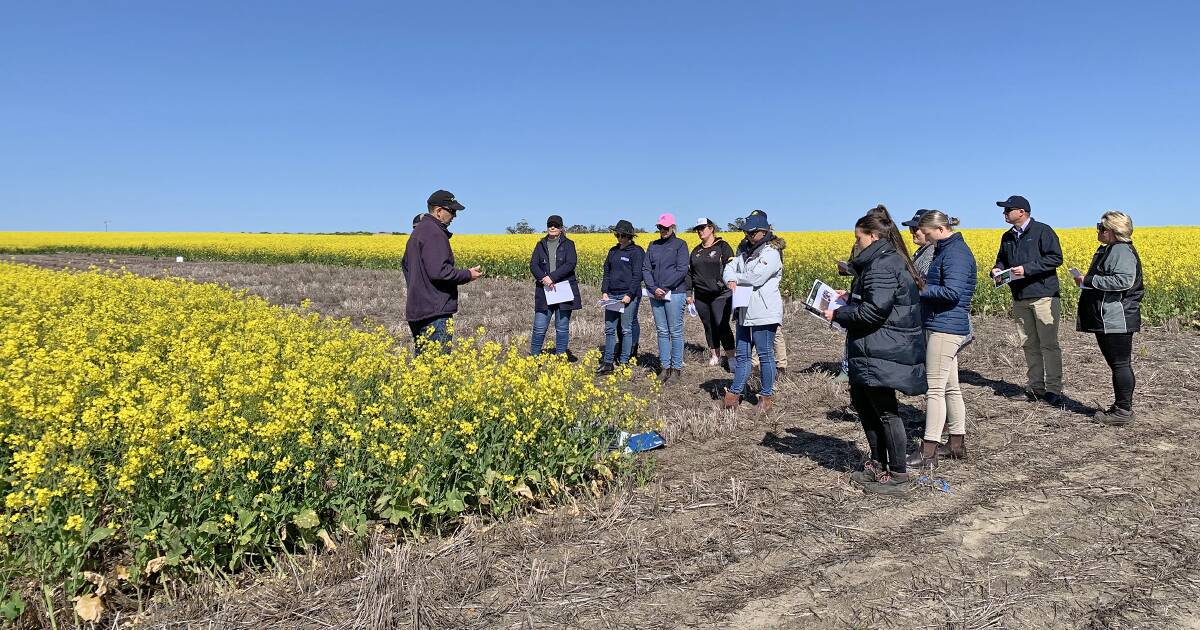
x,y
304,116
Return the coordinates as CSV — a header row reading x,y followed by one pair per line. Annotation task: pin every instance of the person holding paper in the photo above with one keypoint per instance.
x,y
754,275
665,272
1031,254
622,281
886,346
432,278
553,267
1110,306
710,295
946,301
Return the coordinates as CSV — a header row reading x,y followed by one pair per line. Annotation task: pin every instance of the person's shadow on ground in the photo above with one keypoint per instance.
x,y
1017,392
829,452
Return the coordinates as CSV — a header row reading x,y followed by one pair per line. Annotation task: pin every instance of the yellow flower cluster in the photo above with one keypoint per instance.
x,y
165,419
1170,255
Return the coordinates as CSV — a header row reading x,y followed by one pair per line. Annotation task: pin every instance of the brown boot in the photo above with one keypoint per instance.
x,y
764,404
925,458
956,448
731,400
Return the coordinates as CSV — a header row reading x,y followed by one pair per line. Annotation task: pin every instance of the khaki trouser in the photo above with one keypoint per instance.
x,y
780,350
944,400
1039,338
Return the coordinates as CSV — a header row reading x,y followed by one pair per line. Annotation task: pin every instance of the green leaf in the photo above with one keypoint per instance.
x,y
98,534
12,607
306,519
210,527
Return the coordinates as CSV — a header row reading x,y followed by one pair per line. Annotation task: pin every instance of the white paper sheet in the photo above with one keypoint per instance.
x,y
741,296
562,293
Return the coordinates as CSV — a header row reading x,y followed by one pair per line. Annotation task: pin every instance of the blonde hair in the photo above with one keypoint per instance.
x,y
937,219
1119,224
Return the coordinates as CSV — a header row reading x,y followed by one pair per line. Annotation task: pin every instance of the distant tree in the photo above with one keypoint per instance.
x,y
522,227
736,225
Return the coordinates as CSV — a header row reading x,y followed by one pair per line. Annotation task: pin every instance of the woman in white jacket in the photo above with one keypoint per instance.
x,y
756,269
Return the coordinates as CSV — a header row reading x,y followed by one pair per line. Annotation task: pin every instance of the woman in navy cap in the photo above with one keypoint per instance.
x,y
553,264
755,272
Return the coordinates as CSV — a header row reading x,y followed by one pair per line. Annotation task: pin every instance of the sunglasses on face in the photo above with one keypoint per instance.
x,y
1100,227
663,228
1007,210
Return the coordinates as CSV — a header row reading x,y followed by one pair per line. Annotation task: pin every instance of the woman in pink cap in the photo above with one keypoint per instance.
x,y
665,272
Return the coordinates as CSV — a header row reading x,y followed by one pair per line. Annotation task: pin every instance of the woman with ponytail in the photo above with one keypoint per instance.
x,y
946,301
885,346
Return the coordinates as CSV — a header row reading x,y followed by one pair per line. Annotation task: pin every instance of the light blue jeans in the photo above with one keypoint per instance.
x,y
562,329
623,325
668,319
762,338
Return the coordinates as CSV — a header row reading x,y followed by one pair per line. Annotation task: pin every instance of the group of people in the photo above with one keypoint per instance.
x,y
906,317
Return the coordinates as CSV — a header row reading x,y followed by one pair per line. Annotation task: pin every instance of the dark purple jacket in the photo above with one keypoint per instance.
x,y
565,260
429,268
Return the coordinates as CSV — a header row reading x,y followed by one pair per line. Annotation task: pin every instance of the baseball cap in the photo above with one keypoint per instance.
x,y
445,199
756,221
554,221
623,227
913,222
701,222
1015,201
666,218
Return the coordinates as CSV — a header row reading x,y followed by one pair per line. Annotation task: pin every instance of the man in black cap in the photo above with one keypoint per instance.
x,y
432,277
1032,251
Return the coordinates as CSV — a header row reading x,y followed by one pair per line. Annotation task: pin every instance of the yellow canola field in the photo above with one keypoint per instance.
x,y
1170,255
167,425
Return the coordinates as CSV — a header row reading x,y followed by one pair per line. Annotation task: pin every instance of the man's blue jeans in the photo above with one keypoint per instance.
x,y
562,329
668,319
621,325
430,330
762,338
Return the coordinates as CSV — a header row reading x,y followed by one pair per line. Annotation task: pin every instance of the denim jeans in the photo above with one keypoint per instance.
x,y
668,319
762,338
562,329
435,328
622,325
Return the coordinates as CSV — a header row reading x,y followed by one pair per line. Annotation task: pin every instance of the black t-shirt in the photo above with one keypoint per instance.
x,y
707,267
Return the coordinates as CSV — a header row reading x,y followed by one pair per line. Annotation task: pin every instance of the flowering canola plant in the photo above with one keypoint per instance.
x,y
1170,256
167,425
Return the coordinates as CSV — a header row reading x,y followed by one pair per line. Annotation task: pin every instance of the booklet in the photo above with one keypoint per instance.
x,y
1004,277
617,306
560,293
741,297
821,298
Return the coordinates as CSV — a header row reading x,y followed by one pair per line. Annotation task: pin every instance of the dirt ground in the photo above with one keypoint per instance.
x,y
746,522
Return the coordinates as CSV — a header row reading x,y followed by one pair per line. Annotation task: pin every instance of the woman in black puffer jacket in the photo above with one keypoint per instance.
x,y
886,348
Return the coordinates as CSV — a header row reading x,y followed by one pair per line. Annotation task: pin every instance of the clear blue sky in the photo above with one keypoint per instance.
x,y
304,116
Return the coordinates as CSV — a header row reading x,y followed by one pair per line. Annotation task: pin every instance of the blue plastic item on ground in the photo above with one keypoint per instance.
x,y
647,441
937,484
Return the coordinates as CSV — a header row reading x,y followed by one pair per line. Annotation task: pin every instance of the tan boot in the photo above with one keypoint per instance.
x,y
764,404
731,400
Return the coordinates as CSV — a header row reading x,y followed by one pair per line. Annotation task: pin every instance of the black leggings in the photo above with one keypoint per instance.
x,y
714,310
1117,349
878,410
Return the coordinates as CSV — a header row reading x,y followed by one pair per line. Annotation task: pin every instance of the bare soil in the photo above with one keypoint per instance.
x,y
749,522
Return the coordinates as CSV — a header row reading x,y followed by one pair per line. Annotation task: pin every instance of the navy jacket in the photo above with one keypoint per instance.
x,y
429,269
623,271
1039,251
884,341
564,271
666,265
949,287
